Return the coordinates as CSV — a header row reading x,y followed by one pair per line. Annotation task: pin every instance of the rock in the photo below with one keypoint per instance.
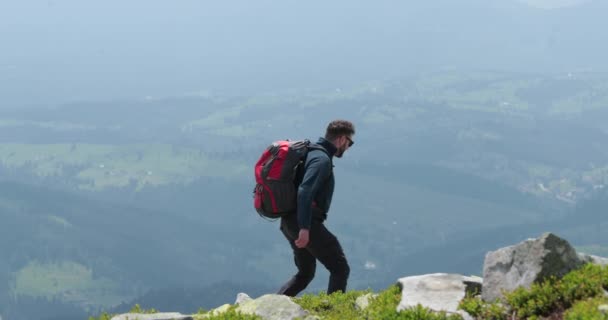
x,y
530,261
363,301
152,316
438,292
214,312
242,297
274,307
603,308
587,258
221,309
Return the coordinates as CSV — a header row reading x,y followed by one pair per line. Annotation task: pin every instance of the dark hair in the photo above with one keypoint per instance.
x,y
339,128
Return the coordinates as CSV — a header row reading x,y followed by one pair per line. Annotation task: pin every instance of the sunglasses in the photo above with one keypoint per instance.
x,y
350,141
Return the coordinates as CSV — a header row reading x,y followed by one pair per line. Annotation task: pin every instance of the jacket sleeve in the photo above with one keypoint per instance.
x,y
317,170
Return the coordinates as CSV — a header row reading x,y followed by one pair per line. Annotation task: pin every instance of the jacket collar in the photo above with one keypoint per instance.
x,y
330,147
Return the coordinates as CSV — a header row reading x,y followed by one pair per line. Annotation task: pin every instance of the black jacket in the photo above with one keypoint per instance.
x,y
317,184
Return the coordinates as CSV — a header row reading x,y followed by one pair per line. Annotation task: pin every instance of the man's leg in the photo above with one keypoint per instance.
x,y
326,247
305,262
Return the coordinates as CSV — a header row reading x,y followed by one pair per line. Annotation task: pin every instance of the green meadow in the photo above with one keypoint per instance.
x,y
98,167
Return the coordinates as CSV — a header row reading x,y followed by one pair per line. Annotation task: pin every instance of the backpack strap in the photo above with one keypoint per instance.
x,y
300,169
314,146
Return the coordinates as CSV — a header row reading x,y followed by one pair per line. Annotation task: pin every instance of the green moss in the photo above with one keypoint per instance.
x,y
338,306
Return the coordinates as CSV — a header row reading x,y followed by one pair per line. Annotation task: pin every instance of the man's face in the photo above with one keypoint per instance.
x,y
343,144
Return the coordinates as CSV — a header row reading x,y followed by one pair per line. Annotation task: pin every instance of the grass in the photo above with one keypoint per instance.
x,y
339,306
336,306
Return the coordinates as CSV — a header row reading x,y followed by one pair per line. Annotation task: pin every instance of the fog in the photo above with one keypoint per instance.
x,y
58,51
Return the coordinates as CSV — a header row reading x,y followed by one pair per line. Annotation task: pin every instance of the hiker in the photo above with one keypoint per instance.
x,y
305,231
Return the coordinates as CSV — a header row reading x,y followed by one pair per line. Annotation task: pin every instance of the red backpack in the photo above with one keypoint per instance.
x,y
275,192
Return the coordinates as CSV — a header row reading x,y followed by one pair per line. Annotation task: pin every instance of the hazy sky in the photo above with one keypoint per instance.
x,y
553,3
61,50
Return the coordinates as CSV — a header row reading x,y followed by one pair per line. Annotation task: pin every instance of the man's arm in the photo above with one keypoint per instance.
x,y
317,169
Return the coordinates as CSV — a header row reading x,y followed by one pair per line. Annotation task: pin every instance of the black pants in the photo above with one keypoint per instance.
x,y
323,246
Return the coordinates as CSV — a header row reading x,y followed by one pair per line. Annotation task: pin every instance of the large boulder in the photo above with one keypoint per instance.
x,y
153,316
438,292
273,307
530,261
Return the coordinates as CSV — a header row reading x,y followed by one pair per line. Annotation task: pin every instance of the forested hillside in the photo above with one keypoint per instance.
x,y
105,202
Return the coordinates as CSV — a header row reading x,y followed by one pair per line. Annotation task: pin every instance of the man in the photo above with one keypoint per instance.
x,y
308,237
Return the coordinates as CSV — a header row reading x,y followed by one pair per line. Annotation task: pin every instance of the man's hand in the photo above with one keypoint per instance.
x,y
302,240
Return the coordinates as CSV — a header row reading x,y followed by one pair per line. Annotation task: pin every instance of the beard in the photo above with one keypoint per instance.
x,y
339,153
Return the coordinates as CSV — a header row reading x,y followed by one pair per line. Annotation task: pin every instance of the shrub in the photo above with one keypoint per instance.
x,y
479,309
103,316
384,306
539,300
338,306
585,283
587,309
552,296
230,314
137,309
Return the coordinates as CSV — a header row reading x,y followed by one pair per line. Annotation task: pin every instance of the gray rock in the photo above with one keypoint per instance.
x,y
221,309
603,308
274,307
438,292
363,301
530,261
152,316
587,258
242,297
